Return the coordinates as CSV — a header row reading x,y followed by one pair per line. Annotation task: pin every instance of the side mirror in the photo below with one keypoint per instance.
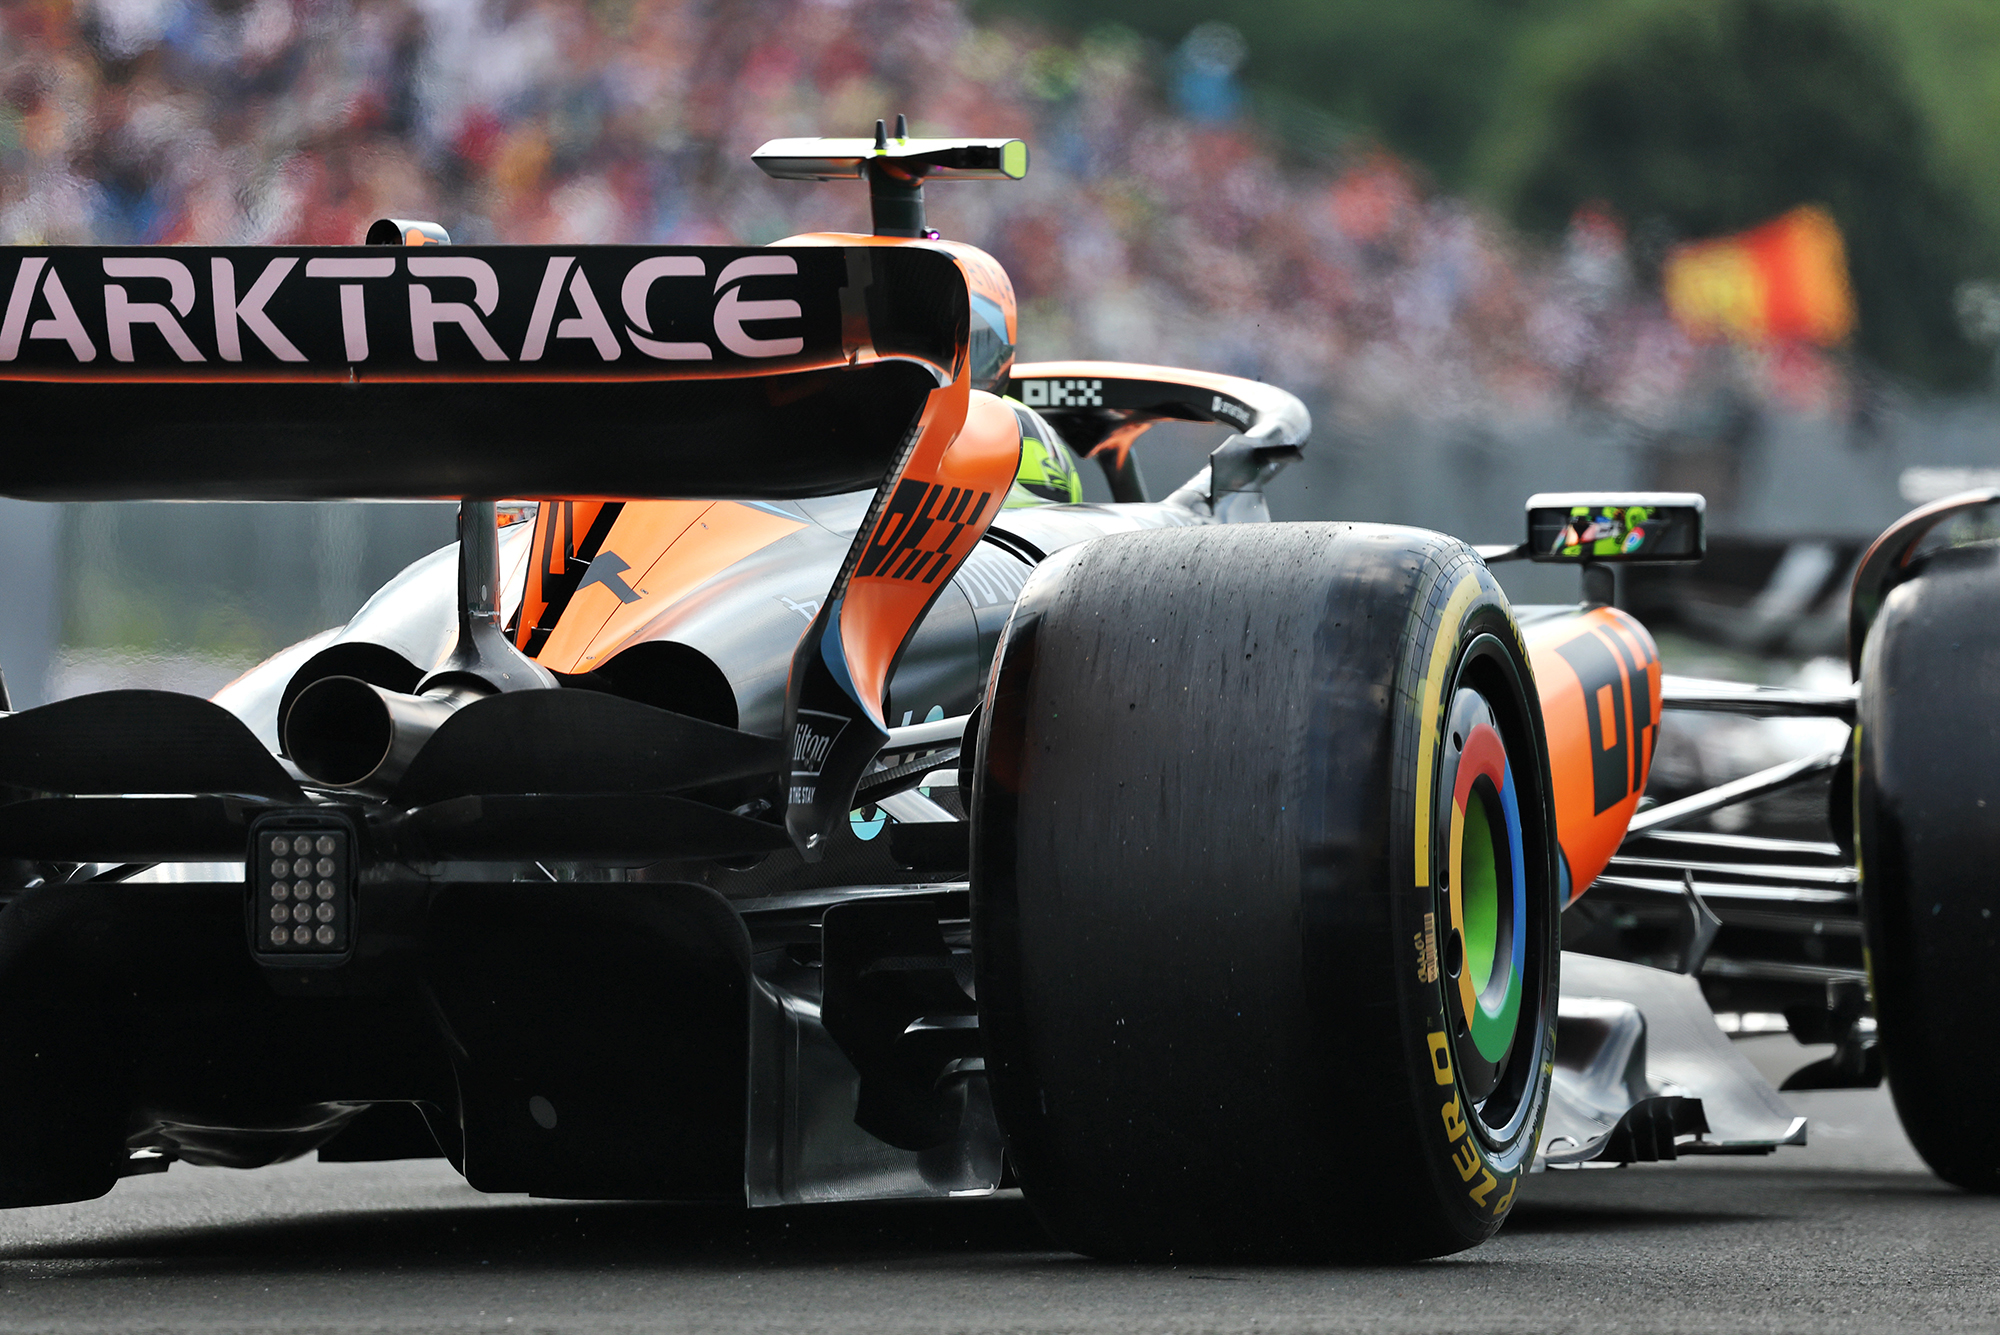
x,y
1586,527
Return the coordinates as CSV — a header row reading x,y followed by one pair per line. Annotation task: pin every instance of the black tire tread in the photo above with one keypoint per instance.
x,y
1205,786
1927,824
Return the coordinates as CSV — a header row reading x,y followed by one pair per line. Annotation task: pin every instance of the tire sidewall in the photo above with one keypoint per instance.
x,y
1476,1174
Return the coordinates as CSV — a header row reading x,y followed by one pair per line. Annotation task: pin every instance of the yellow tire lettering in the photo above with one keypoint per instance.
x,y
1468,1166
1440,1058
1454,1121
1507,1197
1480,1192
1431,712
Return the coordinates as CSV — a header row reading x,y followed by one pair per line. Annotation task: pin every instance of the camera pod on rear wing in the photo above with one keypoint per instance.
x,y
478,372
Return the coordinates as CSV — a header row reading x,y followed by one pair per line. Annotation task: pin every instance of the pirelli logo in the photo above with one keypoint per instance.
x,y
1063,393
1427,950
919,531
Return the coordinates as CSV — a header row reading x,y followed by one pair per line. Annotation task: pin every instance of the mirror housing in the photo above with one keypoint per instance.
x,y
1585,527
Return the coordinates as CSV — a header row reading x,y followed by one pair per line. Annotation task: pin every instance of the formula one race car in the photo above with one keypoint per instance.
x,y
899,825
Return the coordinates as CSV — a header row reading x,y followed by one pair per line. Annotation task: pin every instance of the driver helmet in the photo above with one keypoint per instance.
x,y
1048,472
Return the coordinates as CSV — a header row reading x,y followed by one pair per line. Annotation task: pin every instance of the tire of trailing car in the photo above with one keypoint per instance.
x,y
1927,833
1264,894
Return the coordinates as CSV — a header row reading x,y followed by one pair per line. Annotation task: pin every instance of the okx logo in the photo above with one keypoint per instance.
x,y
1063,393
921,523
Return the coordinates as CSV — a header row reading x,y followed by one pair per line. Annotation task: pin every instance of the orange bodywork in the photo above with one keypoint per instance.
x,y
560,527
960,464
967,451
1598,673
665,549
948,493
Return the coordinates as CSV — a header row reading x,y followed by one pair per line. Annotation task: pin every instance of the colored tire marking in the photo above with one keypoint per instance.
x,y
1489,989
1427,742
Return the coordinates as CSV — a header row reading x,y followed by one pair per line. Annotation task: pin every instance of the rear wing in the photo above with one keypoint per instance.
x,y
576,372
318,373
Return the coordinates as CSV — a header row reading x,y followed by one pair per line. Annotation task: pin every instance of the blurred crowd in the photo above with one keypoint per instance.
x,y
1157,223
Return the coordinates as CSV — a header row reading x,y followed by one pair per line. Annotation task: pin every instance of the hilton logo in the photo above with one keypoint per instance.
x,y
812,738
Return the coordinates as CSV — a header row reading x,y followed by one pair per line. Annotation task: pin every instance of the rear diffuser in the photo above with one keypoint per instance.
x,y
138,742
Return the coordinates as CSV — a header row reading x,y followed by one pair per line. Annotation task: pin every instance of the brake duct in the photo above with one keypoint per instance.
x,y
347,733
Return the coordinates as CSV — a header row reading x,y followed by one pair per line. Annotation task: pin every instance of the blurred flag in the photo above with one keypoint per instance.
x,y
1785,280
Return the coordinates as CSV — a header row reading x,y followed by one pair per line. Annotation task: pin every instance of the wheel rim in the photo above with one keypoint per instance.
x,y
1490,909
1489,905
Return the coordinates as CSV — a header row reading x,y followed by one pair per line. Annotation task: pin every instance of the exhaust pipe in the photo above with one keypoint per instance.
x,y
346,733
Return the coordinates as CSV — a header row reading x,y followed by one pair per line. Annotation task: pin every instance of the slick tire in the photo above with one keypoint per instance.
x,y
1927,830
1264,894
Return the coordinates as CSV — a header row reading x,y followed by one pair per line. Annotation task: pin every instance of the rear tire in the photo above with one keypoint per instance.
x,y
1927,830
1216,786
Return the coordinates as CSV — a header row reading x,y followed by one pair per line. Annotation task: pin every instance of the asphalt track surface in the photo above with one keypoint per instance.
x,y
1847,1234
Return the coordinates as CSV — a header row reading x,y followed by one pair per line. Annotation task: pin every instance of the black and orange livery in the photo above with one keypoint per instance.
x,y
762,811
